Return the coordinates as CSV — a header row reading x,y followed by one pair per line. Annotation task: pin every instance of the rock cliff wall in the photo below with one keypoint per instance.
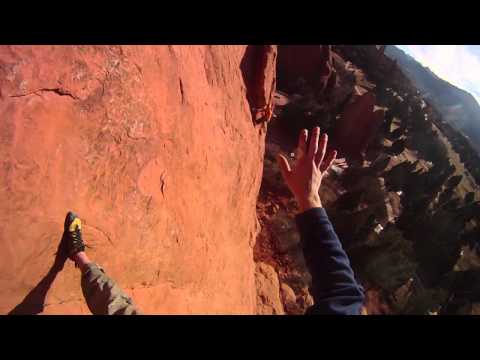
x,y
159,149
311,64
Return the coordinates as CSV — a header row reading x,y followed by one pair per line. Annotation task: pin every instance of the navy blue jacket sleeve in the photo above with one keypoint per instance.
x,y
334,288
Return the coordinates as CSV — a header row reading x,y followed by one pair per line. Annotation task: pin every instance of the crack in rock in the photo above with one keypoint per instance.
x,y
103,232
60,302
58,91
162,184
182,93
127,132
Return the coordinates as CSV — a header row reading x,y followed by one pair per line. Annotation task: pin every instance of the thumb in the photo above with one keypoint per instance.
x,y
284,166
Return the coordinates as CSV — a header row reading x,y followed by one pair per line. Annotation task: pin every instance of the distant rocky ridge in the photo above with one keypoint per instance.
x,y
457,106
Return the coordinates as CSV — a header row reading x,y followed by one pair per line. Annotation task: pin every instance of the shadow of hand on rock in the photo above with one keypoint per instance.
x,y
34,302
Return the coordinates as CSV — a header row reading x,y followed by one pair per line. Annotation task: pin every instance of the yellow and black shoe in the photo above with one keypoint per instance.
x,y
72,235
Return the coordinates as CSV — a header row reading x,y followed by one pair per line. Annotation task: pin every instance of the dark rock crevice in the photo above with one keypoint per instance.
x,y
257,68
58,91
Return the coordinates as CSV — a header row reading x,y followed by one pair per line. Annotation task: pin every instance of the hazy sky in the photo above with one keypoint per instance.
x,y
458,64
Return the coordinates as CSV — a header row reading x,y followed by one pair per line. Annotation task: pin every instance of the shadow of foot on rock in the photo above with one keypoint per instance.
x,y
34,302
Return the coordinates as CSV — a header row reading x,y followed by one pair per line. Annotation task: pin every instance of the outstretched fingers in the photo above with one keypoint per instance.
x,y
328,161
322,149
302,144
313,147
284,166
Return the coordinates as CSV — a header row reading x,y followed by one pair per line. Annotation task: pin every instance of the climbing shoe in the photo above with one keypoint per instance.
x,y
72,235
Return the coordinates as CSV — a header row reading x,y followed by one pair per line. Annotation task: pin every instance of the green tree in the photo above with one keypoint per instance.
x,y
389,263
350,200
454,181
437,241
388,121
380,165
424,301
397,177
452,204
395,134
366,228
445,196
397,147
472,238
429,146
469,198
463,289
469,211
451,170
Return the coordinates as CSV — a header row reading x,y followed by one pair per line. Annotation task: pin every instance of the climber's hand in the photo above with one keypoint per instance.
x,y
305,178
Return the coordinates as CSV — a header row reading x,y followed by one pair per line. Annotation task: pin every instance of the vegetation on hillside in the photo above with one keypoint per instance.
x,y
399,213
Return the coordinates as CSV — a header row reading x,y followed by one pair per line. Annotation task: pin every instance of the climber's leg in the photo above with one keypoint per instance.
x,y
103,295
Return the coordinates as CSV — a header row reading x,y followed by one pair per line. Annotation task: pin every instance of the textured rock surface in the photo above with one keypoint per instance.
x,y
288,298
374,305
312,63
358,124
156,149
268,290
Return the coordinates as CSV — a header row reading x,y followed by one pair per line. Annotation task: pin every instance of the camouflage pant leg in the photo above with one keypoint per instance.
x,y
103,295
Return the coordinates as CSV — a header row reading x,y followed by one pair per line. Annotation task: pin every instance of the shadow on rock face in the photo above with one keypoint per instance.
x,y
34,302
257,68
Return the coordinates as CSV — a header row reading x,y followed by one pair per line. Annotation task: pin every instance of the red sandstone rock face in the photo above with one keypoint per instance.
x,y
313,63
268,290
358,125
156,149
374,305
